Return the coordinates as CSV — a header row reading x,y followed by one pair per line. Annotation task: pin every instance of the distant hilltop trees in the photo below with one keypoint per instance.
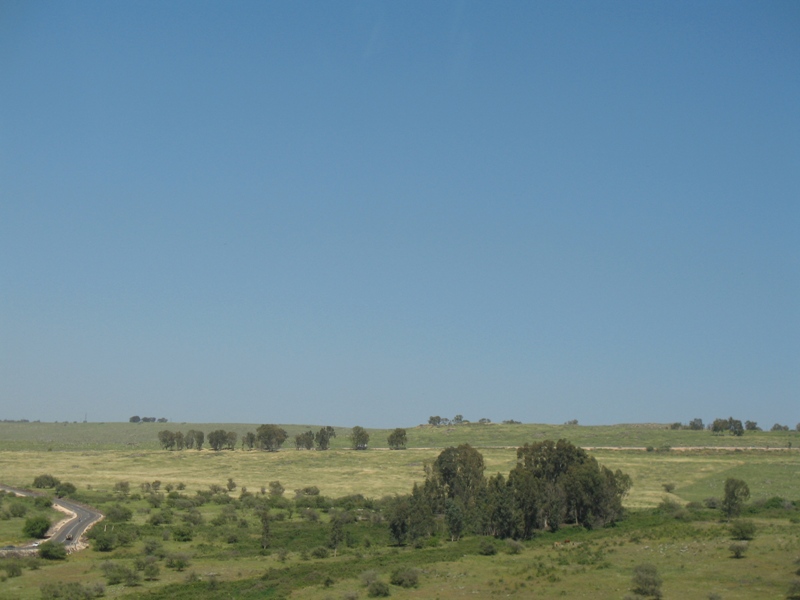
x,y
729,425
138,419
438,421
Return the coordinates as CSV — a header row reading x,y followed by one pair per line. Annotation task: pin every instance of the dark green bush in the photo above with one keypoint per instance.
x,y
743,529
378,589
52,551
36,527
487,548
406,578
738,549
45,481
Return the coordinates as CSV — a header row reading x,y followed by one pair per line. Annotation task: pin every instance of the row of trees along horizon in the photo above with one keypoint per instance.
x,y
729,425
271,437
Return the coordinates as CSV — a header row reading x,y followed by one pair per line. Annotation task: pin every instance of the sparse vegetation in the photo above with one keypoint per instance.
x,y
353,522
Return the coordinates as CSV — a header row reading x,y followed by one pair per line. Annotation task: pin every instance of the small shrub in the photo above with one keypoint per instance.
x,y
378,589
320,552
18,510
369,577
58,590
668,487
487,548
712,502
153,548
738,549
406,578
42,502
514,547
743,529
646,581
178,561
794,591
116,573
13,568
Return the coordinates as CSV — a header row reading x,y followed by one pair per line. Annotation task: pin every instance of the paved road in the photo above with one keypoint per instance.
x,y
78,518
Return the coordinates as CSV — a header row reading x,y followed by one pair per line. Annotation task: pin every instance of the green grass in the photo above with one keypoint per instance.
x,y
143,436
692,556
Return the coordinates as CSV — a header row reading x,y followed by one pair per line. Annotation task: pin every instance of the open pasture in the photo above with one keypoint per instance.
x,y
696,474
692,552
144,436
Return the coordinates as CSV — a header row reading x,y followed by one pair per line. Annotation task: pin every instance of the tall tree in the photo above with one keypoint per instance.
x,y
166,439
304,440
217,439
737,493
323,437
397,439
359,438
249,440
270,437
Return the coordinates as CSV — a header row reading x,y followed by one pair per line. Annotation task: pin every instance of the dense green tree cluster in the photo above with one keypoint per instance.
x,y
734,426
219,439
266,437
553,483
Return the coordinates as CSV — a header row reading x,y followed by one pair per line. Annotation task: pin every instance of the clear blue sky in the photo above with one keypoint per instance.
x,y
373,212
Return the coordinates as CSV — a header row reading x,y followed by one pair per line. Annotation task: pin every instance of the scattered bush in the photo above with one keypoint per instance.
x,y
320,552
178,561
18,510
368,577
646,581
151,571
13,568
119,514
406,578
42,502
668,487
487,548
743,529
378,589
514,547
116,573
738,549
71,591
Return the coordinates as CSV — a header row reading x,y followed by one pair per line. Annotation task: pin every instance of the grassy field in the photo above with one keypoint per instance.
x,y
691,552
697,474
144,436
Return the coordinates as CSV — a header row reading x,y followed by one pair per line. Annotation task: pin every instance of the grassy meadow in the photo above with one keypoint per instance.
x,y
144,436
689,545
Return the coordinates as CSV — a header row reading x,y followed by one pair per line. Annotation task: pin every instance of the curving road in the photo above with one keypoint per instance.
x,y
69,530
